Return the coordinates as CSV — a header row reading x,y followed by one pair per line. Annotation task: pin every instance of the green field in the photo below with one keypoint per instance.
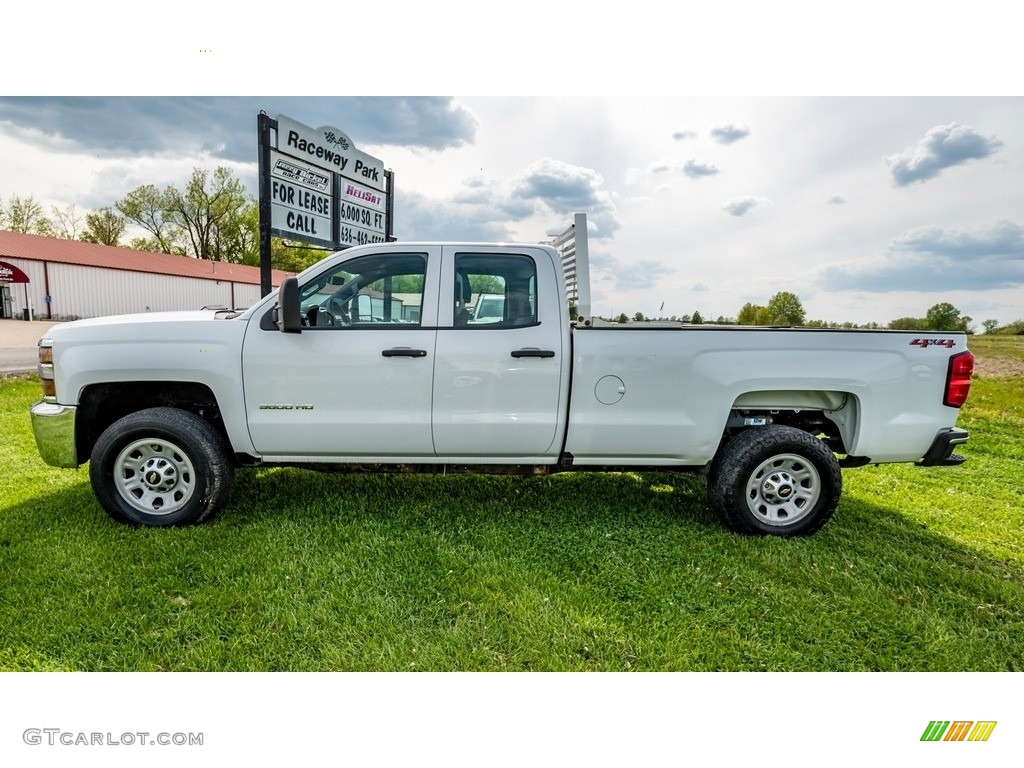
x,y
920,569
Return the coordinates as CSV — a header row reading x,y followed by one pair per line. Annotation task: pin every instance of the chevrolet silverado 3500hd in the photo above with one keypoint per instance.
x,y
372,358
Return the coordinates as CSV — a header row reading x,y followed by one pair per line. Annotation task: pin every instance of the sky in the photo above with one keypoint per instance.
x,y
866,203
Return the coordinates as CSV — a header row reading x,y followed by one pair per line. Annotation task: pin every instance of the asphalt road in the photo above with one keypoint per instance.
x,y
18,340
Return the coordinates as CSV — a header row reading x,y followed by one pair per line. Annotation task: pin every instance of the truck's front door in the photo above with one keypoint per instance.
x,y
357,381
499,378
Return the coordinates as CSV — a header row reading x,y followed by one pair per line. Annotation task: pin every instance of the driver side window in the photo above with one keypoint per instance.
x,y
378,291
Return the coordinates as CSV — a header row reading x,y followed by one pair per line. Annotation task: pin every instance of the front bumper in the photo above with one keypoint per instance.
x,y
941,452
54,428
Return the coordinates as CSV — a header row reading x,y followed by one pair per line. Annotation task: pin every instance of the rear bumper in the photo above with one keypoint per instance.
x,y
941,452
54,428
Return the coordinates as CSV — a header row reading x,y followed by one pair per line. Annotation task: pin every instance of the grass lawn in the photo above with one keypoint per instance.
x,y
920,569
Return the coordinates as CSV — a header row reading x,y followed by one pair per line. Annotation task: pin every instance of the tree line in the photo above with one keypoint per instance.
x,y
785,309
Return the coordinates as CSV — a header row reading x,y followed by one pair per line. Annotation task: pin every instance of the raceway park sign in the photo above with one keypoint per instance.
x,y
317,187
330,149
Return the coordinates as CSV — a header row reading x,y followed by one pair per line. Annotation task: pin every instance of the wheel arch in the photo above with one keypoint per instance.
x,y
832,414
100,405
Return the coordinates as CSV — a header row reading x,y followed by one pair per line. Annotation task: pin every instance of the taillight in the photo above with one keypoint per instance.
x,y
958,379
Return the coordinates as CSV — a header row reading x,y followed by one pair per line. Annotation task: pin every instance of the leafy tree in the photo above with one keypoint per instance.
x,y
291,258
486,284
946,317
639,317
753,314
907,324
784,308
622,319
25,214
212,217
207,212
990,326
104,226
145,244
240,234
147,207
65,222
1016,328
697,319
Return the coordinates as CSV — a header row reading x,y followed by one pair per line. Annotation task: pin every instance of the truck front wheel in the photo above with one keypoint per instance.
x,y
775,480
160,467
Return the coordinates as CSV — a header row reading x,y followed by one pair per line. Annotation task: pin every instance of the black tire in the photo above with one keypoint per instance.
x,y
775,480
161,467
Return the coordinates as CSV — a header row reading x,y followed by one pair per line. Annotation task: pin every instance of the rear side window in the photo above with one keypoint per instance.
x,y
494,291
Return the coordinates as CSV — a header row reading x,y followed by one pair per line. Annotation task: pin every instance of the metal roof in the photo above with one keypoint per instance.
x,y
21,246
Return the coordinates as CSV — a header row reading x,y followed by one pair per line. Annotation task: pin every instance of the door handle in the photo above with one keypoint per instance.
x,y
533,353
404,352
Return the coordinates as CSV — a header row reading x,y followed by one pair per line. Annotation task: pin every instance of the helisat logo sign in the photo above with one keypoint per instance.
x,y
958,730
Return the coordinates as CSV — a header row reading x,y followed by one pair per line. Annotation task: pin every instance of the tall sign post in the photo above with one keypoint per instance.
x,y
318,188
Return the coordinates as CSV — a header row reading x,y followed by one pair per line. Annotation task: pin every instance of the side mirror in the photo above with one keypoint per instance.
x,y
288,308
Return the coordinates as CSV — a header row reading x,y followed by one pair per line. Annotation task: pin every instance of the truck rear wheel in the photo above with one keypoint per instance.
x,y
161,467
775,480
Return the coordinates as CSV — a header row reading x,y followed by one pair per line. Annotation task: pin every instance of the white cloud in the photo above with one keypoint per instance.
x,y
1001,239
835,199
727,133
695,169
741,206
942,147
931,259
564,188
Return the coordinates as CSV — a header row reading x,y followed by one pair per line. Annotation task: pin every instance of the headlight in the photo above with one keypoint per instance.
x,y
45,369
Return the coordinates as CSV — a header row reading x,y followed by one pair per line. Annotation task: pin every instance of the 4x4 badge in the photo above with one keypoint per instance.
x,y
925,343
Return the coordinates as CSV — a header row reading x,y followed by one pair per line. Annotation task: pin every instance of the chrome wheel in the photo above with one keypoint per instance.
x,y
154,476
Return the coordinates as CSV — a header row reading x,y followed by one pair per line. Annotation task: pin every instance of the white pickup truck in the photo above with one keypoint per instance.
x,y
371,359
